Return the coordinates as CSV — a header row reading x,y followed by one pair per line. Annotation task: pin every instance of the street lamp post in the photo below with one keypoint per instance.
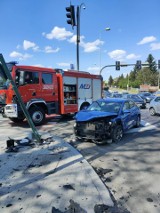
x,y
158,79
106,29
128,83
78,30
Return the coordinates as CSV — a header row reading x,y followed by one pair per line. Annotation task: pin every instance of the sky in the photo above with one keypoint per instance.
x,y
35,32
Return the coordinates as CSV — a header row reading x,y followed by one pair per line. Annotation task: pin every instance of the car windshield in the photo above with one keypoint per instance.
x,y
147,94
105,106
136,97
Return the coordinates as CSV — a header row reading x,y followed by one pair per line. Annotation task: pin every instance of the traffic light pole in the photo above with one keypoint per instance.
x,y
78,35
7,73
121,65
100,72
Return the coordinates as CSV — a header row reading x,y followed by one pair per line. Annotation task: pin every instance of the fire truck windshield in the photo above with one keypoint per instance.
x,y
4,82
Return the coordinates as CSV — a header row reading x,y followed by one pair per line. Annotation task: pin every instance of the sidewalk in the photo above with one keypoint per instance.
x,y
53,177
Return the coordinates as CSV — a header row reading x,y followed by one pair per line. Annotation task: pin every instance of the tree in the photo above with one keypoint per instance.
x,y
147,75
152,63
110,81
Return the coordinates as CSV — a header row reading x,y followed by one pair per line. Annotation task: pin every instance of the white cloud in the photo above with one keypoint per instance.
x,y
92,46
28,44
155,46
15,54
117,54
58,33
36,49
49,49
73,39
20,56
132,56
147,39
93,69
88,46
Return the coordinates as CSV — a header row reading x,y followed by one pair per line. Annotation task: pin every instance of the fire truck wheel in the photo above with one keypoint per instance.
x,y
37,115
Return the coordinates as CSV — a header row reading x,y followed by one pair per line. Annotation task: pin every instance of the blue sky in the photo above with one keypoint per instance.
x,y
35,32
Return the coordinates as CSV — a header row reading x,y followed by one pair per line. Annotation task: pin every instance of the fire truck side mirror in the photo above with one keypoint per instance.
x,y
2,73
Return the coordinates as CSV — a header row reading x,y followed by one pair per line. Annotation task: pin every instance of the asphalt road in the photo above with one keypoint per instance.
x,y
130,169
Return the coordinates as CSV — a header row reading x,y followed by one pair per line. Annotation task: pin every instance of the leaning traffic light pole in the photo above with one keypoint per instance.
x,y
7,75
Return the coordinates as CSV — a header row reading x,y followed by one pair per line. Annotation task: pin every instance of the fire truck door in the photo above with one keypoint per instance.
x,y
28,85
48,87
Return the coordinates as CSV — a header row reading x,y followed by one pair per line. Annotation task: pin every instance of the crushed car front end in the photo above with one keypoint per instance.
x,y
97,129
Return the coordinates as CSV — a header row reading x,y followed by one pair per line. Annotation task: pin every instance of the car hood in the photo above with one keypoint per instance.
x,y
86,115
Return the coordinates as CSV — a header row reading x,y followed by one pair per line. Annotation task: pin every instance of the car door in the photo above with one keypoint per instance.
x,y
126,116
157,105
133,113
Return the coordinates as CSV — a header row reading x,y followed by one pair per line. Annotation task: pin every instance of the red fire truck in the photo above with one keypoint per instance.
x,y
48,91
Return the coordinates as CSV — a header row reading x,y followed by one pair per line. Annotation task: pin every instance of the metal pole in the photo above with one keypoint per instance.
x,y
78,36
158,78
100,49
100,52
37,136
105,67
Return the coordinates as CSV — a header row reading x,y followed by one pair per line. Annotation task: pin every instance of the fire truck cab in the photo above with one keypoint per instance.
x,y
48,91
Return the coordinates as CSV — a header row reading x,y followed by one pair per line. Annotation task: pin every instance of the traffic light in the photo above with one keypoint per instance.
x,y
138,65
159,64
71,15
118,65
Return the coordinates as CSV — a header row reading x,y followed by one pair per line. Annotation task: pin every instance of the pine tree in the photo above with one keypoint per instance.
x,y
152,63
110,81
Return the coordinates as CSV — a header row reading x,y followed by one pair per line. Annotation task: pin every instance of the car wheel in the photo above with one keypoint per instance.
x,y
138,122
117,133
37,115
152,111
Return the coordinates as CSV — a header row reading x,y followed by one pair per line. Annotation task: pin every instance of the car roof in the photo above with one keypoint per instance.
x,y
116,100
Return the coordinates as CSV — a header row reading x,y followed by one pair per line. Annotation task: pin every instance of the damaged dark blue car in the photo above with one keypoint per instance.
x,y
107,119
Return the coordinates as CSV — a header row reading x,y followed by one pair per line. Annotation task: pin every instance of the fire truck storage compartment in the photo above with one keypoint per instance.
x,y
97,88
69,89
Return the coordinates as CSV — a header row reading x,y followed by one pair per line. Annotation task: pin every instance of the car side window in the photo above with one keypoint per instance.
x,y
126,106
157,99
131,104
